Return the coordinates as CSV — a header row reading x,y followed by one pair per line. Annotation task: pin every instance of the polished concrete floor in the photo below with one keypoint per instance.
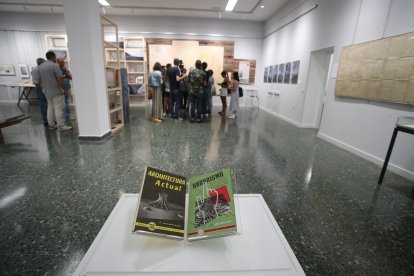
x,y
56,191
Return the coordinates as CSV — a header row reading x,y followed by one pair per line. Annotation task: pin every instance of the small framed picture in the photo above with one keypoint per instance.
x,y
7,70
24,71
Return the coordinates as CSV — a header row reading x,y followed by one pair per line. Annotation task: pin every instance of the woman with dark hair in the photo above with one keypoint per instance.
x,y
155,81
234,98
223,92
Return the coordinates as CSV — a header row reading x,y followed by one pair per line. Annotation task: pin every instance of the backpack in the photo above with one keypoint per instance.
x,y
196,81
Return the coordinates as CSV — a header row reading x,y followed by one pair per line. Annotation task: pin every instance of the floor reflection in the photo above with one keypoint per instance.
x,y
326,200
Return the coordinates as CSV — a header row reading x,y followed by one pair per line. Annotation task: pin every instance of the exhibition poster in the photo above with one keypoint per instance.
x,y
211,208
161,209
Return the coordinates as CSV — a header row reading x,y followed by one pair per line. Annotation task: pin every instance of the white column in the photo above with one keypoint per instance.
x,y
83,28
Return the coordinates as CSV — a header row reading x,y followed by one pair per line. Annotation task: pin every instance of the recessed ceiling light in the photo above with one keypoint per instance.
x,y
230,5
103,3
262,6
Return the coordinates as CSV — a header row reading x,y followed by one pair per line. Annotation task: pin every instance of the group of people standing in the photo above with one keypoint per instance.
x,y
52,81
179,95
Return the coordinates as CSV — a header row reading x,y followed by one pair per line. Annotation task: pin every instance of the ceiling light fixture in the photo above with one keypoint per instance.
x,y
262,6
104,3
230,5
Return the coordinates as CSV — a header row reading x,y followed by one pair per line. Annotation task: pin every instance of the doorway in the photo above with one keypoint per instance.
x,y
317,85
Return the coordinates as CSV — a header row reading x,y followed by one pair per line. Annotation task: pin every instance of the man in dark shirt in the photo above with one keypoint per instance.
x,y
206,109
175,78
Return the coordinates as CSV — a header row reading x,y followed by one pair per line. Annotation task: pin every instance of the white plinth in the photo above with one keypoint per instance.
x,y
261,249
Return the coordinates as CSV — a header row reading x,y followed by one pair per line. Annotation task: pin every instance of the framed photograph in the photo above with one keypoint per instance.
x,y
274,78
7,70
286,78
280,73
270,74
24,71
295,72
244,72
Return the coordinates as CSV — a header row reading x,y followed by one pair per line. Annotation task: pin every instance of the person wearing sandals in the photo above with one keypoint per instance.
x,y
155,81
234,97
223,92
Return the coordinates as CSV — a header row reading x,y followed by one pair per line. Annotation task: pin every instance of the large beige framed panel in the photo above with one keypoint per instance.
x,y
380,70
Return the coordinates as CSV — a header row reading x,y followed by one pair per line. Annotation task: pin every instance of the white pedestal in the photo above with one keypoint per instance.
x,y
261,248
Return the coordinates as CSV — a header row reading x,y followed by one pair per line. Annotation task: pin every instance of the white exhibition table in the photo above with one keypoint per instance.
x,y
260,248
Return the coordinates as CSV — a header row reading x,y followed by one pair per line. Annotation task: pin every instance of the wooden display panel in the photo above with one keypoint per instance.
x,y
380,70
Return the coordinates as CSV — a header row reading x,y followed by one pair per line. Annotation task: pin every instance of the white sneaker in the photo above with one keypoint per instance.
x,y
65,127
164,114
53,126
232,116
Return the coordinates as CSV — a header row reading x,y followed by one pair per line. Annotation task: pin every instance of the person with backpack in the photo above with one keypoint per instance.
x,y
196,78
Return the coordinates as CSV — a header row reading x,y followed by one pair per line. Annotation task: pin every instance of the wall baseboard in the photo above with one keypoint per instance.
x,y
367,156
95,138
9,101
293,122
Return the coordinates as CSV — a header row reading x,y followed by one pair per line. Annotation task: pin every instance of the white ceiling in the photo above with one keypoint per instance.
x,y
244,10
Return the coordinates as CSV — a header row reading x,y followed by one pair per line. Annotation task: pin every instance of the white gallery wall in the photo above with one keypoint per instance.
x,y
360,126
22,37
22,41
247,35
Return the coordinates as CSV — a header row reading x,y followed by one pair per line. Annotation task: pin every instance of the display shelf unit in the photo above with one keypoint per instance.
x,y
136,65
112,73
58,44
114,55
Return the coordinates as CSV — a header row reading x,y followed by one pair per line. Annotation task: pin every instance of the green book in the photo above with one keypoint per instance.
x,y
211,209
161,208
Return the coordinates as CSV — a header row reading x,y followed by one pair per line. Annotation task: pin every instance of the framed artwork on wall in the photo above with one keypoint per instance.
x,y
244,71
7,70
294,72
275,69
265,73
270,74
280,73
24,71
286,78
